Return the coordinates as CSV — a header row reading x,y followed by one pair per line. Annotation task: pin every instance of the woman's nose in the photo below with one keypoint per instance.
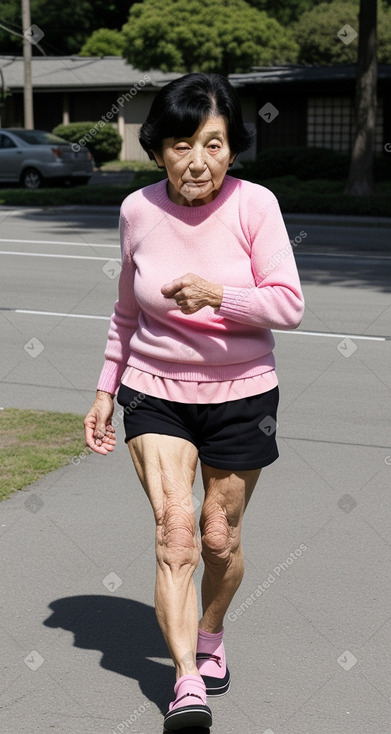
x,y
197,162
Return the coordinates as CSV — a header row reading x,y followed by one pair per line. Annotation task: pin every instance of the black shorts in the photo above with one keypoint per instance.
x,y
236,435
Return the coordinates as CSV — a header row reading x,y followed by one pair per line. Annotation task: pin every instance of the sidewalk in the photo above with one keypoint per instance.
x,y
81,648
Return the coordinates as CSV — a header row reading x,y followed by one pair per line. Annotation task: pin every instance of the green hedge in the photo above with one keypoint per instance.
x,y
102,141
309,164
312,197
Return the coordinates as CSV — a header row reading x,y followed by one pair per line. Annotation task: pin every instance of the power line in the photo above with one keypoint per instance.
x,y
49,46
16,33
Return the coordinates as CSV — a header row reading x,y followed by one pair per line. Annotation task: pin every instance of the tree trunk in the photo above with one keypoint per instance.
x,y
360,181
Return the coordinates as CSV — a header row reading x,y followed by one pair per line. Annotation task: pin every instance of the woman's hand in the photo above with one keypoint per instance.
x,y
192,293
99,433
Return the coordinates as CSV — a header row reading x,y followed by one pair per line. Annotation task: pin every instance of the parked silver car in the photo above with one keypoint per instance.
x,y
32,157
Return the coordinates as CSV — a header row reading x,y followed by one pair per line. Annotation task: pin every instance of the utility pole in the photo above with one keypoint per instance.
x,y
28,87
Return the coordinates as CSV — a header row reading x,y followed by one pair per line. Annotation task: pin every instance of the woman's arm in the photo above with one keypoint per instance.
x,y
124,320
99,432
272,300
276,300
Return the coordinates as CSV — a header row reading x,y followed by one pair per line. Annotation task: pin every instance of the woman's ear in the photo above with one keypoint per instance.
x,y
158,158
232,159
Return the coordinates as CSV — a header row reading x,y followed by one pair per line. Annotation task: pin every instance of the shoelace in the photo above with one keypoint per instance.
x,y
207,656
187,694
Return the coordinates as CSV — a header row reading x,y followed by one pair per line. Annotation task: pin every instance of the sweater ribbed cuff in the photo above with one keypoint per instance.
x,y
110,376
235,301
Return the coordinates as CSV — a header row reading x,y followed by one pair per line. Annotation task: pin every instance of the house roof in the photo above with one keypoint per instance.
x,y
67,73
297,73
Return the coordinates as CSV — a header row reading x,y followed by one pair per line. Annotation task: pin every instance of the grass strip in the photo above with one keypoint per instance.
x,y
34,443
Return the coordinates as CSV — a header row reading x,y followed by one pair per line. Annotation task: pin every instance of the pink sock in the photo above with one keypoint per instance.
x,y
212,643
186,685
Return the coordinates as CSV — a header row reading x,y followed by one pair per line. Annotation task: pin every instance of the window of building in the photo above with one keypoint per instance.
x,y
330,123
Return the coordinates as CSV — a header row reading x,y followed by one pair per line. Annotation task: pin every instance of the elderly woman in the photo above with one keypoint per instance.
x,y
207,272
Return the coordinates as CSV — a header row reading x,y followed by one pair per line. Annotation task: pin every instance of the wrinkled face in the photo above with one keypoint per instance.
x,y
196,166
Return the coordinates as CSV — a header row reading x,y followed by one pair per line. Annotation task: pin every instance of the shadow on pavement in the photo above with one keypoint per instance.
x,y
63,220
127,633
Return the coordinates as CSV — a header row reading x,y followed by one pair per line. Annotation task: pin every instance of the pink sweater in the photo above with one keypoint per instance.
x,y
239,240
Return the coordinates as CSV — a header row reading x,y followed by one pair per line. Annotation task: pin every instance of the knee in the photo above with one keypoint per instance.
x,y
176,543
219,539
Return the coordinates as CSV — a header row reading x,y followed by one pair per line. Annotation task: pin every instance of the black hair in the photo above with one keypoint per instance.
x,y
182,105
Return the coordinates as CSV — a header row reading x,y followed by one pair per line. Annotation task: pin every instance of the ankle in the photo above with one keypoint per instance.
x,y
206,629
183,671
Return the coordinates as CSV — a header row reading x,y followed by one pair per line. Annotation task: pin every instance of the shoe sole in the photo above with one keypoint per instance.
x,y
188,716
217,686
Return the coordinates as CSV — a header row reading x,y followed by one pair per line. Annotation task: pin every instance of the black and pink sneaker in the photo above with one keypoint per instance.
x,y
189,708
211,663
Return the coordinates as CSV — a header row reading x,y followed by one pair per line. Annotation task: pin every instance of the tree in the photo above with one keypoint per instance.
x,y
360,181
224,36
66,25
316,32
104,42
285,11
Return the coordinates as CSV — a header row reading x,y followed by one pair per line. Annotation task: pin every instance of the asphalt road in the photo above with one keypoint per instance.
x,y
81,649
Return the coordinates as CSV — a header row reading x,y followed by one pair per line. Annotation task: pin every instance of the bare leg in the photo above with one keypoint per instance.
x,y
166,467
227,494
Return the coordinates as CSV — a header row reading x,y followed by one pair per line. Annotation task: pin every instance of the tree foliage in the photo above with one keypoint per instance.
x,y
186,35
225,36
285,11
66,25
316,32
104,42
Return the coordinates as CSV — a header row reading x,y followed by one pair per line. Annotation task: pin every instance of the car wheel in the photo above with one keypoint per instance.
x,y
31,179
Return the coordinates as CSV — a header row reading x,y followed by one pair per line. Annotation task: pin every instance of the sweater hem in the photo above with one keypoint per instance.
x,y
208,373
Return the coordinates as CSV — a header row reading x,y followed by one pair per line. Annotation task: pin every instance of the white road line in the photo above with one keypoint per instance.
x,y
69,257
358,255
68,315
278,331
56,242
336,336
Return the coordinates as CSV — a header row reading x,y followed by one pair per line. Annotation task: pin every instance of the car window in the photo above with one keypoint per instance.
x,y
38,137
6,142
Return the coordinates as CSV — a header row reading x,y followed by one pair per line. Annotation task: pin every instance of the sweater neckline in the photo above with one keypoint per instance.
x,y
194,212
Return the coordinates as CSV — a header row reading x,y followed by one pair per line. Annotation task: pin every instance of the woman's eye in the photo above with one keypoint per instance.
x,y
182,147
214,146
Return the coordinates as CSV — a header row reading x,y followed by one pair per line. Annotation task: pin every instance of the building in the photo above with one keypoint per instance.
x,y
287,105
